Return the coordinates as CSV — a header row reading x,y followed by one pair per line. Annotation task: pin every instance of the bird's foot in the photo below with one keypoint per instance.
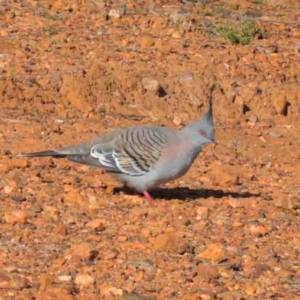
x,y
149,198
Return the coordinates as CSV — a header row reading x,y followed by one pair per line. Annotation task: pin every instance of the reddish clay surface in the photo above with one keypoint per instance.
x,y
229,229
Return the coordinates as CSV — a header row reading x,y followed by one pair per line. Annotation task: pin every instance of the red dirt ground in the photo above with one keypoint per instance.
x,y
227,230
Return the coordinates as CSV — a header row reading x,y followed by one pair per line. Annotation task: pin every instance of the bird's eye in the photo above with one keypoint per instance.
x,y
202,132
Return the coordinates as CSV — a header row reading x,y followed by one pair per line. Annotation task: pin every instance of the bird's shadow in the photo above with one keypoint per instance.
x,y
187,194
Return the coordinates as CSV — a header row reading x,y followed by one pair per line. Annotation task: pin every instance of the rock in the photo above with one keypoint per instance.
x,y
177,121
10,186
65,278
60,229
116,13
136,296
145,232
186,77
258,269
232,295
170,242
13,281
252,118
16,217
176,35
275,134
106,289
96,224
207,272
46,281
139,212
283,201
4,168
146,42
150,84
225,175
74,197
213,252
280,104
84,251
235,203
84,280
202,213
21,163
199,294
256,229
110,254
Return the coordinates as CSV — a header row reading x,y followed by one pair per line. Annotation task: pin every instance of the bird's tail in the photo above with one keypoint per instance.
x,y
42,153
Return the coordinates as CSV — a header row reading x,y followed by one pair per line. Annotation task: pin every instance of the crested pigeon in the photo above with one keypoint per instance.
x,y
143,157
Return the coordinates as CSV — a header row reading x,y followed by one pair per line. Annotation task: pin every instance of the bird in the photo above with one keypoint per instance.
x,y
142,157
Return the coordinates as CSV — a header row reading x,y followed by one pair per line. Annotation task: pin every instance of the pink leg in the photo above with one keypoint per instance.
x,y
149,198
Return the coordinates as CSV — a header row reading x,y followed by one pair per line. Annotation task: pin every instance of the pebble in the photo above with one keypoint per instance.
x,y
84,251
202,213
283,201
84,280
280,103
16,217
106,289
213,252
116,13
150,84
207,272
171,242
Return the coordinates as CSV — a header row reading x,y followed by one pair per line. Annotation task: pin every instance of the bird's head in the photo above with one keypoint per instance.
x,y
203,130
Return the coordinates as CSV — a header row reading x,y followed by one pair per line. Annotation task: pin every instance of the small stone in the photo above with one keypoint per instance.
x,y
150,84
213,252
9,187
170,242
116,13
207,272
207,296
258,269
283,201
186,77
202,213
74,197
65,278
237,224
177,121
225,175
84,280
60,229
96,224
4,168
13,281
258,230
145,232
21,163
235,203
109,255
280,104
176,35
84,251
275,134
252,118
16,217
46,281
146,42
106,289
139,212
92,199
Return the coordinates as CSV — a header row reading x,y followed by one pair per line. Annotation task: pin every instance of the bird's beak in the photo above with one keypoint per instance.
x,y
214,142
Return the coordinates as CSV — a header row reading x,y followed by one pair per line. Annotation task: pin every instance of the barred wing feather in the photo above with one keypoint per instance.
x,y
134,152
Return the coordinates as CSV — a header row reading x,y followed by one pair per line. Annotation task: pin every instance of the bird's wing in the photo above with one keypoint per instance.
x,y
134,152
